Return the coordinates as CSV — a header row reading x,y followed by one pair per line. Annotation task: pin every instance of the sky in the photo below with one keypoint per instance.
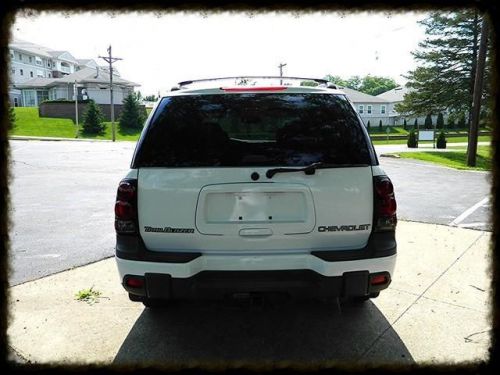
x,y
159,50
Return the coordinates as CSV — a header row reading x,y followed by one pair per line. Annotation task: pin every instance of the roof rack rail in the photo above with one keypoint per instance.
x,y
320,81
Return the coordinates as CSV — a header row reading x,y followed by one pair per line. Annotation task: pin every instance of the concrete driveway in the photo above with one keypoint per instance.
x,y
436,310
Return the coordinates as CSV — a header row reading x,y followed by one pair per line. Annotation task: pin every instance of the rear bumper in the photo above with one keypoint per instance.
x,y
219,284
314,274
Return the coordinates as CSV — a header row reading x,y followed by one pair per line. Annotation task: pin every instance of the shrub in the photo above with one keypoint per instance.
x,y
380,125
368,126
133,115
404,124
428,122
441,140
412,140
93,120
12,118
415,125
440,121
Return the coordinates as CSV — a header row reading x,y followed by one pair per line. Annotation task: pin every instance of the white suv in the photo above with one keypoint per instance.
x,y
254,189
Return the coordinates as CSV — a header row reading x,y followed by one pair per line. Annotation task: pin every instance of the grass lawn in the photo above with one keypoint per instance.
x,y
482,138
454,159
30,124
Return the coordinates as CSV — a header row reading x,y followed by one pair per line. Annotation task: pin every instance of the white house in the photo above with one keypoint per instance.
x,y
38,73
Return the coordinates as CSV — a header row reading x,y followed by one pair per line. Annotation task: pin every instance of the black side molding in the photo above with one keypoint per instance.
x,y
380,244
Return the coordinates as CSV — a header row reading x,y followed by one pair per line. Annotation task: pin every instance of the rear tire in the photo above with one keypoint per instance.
x,y
152,303
363,299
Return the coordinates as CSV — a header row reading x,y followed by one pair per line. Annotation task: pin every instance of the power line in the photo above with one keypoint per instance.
x,y
110,60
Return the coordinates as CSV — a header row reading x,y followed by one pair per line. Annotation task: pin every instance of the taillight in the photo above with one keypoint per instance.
x,y
126,207
385,206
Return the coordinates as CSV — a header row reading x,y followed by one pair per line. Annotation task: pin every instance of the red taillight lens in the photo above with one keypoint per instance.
x,y
379,280
126,191
124,210
385,204
126,207
135,282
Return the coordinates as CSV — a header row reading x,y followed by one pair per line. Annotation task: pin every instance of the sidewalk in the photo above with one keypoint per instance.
x,y
436,310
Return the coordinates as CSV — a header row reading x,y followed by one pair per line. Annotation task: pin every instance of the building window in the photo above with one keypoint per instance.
x,y
20,57
48,64
31,74
11,54
50,75
382,109
21,72
30,59
361,109
38,61
369,109
13,70
39,73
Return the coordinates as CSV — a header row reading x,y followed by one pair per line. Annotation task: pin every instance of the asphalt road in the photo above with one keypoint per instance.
x,y
62,198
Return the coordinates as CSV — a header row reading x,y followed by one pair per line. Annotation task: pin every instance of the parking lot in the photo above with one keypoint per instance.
x,y
62,197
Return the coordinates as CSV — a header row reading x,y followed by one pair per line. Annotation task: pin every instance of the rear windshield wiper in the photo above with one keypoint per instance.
x,y
311,168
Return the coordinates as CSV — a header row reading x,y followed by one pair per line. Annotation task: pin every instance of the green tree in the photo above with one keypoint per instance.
x,y
309,83
150,98
133,115
451,121
440,121
444,77
93,120
404,124
441,140
368,126
380,125
12,118
428,122
374,85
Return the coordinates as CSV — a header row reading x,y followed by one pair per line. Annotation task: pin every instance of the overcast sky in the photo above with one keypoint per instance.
x,y
160,50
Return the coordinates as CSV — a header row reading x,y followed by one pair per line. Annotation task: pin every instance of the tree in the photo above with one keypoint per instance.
x,y
12,118
93,120
404,124
444,78
150,98
368,126
412,141
415,125
372,85
440,121
451,122
441,140
380,125
133,115
428,122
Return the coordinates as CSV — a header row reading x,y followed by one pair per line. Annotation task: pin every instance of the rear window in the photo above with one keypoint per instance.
x,y
234,130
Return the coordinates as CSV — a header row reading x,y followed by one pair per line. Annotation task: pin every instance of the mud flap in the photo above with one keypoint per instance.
x,y
355,283
158,286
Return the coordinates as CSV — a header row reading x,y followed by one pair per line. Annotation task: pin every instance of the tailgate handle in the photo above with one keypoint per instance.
x,y
251,232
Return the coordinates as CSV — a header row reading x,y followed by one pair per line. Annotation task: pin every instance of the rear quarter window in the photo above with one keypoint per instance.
x,y
233,130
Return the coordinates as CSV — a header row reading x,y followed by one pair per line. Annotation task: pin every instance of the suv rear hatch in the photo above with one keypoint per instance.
x,y
251,172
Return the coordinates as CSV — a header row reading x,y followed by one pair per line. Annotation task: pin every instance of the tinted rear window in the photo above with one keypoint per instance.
x,y
232,130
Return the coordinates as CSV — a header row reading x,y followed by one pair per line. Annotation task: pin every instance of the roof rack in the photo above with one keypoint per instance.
x,y
320,81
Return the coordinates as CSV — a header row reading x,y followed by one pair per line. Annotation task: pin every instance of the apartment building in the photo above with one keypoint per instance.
x,y
39,73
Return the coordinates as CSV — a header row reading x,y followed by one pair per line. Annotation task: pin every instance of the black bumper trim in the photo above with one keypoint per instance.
x,y
131,247
380,244
220,284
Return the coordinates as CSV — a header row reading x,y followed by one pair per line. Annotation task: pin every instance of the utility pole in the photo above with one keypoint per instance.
x,y
478,90
280,66
110,60
76,108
